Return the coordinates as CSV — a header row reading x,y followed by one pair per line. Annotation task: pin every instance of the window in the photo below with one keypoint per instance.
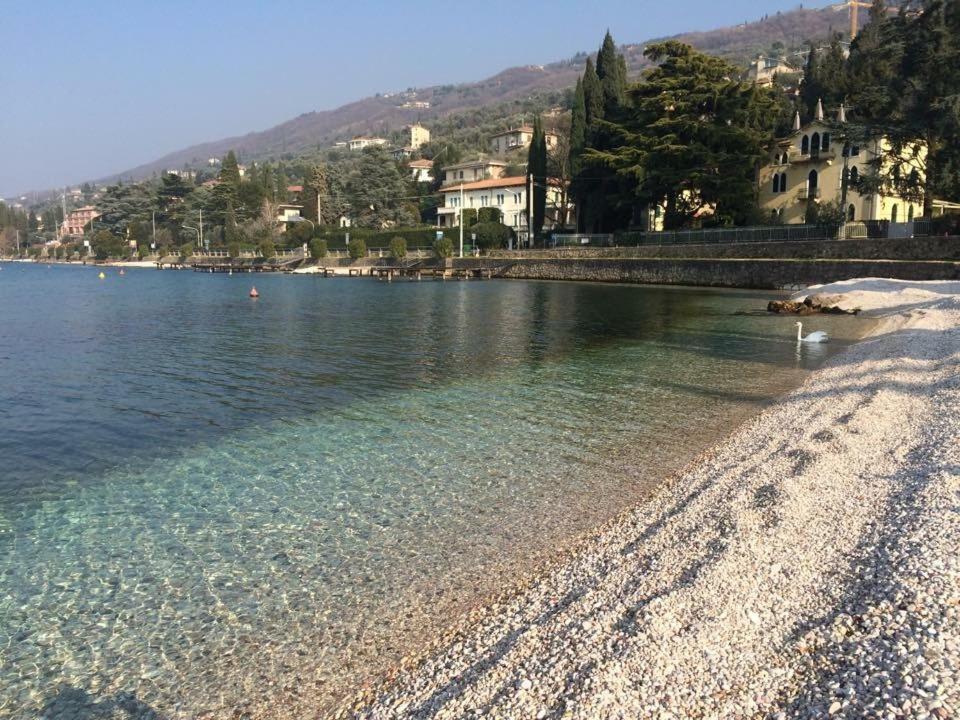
x,y
805,146
854,151
910,214
500,199
825,142
517,198
483,200
894,214
854,180
851,213
815,144
461,174
813,180
776,183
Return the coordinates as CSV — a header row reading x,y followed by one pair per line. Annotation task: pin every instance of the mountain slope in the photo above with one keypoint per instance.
x,y
382,114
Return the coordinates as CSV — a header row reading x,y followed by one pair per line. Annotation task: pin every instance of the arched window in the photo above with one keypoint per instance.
x,y
894,214
825,142
910,214
783,182
805,146
854,181
851,213
815,143
776,182
813,180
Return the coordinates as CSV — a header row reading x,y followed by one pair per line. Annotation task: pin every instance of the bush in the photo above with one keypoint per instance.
x,y
106,244
489,215
267,248
492,235
233,249
186,250
318,248
469,217
443,247
398,248
357,249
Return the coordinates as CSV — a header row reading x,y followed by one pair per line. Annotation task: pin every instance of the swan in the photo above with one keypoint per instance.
x,y
815,337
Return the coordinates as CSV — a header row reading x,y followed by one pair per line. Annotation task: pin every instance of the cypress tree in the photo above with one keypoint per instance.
x,y
230,170
592,94
537,166
315,192
611,70
578,127
231,233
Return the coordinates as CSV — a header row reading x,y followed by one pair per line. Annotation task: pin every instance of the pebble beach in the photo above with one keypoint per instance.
x,y
808,566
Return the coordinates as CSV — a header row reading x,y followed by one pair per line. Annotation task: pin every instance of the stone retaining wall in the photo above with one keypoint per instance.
x,y
927,248
750,273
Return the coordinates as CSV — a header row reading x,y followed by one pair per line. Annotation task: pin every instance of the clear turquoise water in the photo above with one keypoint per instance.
x,y
210,504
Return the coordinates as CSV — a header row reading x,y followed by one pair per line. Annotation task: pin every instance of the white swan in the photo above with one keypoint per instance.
x,y
815,337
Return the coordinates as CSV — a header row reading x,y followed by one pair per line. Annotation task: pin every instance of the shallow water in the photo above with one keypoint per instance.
x,y
210,504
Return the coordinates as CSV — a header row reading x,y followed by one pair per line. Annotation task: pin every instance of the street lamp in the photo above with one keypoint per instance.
x,y
190,227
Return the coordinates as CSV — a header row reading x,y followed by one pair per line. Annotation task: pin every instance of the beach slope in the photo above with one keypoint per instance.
x,y
809,566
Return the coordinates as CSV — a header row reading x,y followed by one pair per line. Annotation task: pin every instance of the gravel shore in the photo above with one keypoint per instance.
x,y
809,566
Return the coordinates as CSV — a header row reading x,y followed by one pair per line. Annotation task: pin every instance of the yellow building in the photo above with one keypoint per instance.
x,y
808,167
419,136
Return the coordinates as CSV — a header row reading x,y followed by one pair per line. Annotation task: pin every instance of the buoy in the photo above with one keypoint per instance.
x,y
101,276
254,293
122,272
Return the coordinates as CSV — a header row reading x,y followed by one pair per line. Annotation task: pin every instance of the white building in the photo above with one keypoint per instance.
x,y
473,171
421,170
288,213
518,139
361,141
506,194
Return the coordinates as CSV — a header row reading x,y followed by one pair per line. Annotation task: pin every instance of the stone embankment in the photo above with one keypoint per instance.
x,y
809,566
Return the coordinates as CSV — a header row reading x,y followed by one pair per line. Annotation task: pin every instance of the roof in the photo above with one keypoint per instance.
x,y
421,163
473,163
294,188
518,181
524,129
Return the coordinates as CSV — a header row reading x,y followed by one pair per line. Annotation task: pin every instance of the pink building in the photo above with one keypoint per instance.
x,y
78,219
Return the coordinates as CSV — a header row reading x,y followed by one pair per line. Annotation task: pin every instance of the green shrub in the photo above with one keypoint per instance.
x,y
318,248
186,250
492,235
267,248
443,247
489,215
469,217
357,248
233,249
398,247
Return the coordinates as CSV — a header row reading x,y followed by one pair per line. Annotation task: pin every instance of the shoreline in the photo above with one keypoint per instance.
x,y
791,546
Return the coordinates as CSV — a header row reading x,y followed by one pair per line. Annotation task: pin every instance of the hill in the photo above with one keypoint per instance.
x,y
383,114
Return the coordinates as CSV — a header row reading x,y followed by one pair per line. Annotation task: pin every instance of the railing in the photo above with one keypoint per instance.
x,y
809,193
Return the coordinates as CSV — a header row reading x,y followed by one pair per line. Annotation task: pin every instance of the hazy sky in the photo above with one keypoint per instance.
x,y
93,88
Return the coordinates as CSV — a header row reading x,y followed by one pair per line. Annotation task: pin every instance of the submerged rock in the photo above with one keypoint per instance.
x,y
811,305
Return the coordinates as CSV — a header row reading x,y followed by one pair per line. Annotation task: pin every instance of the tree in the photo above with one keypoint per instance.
x,y
230,171
492,235
537,167
318,248
107,245
299,233
578,127
611,71
689,137
267,248
315,196
378,194
357,249
231,234
592,94
398,248
443,247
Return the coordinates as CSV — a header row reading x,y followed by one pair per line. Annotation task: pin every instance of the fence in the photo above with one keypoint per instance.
x,y
873,229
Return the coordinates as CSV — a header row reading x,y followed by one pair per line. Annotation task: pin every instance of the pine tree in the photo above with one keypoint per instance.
x,y
231,233
230,170
592,95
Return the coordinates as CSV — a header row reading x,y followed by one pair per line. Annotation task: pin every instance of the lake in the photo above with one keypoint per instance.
x,y
216,505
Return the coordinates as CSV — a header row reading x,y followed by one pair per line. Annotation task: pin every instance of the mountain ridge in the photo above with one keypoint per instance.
x,y
381,114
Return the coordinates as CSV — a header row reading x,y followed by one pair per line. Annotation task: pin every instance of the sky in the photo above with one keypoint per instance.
x,y
95,88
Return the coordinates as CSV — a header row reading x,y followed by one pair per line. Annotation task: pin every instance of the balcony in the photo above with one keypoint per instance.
x,y
809,194
814,157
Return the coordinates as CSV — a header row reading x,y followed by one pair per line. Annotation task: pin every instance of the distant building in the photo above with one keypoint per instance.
x,y
764,69
361,141
506,194
419,136
213,161
474,170
182,174
421,170
416,105
808,167
518,139
287,213
77,220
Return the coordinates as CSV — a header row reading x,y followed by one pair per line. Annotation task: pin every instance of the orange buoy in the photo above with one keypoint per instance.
x,y
254,293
